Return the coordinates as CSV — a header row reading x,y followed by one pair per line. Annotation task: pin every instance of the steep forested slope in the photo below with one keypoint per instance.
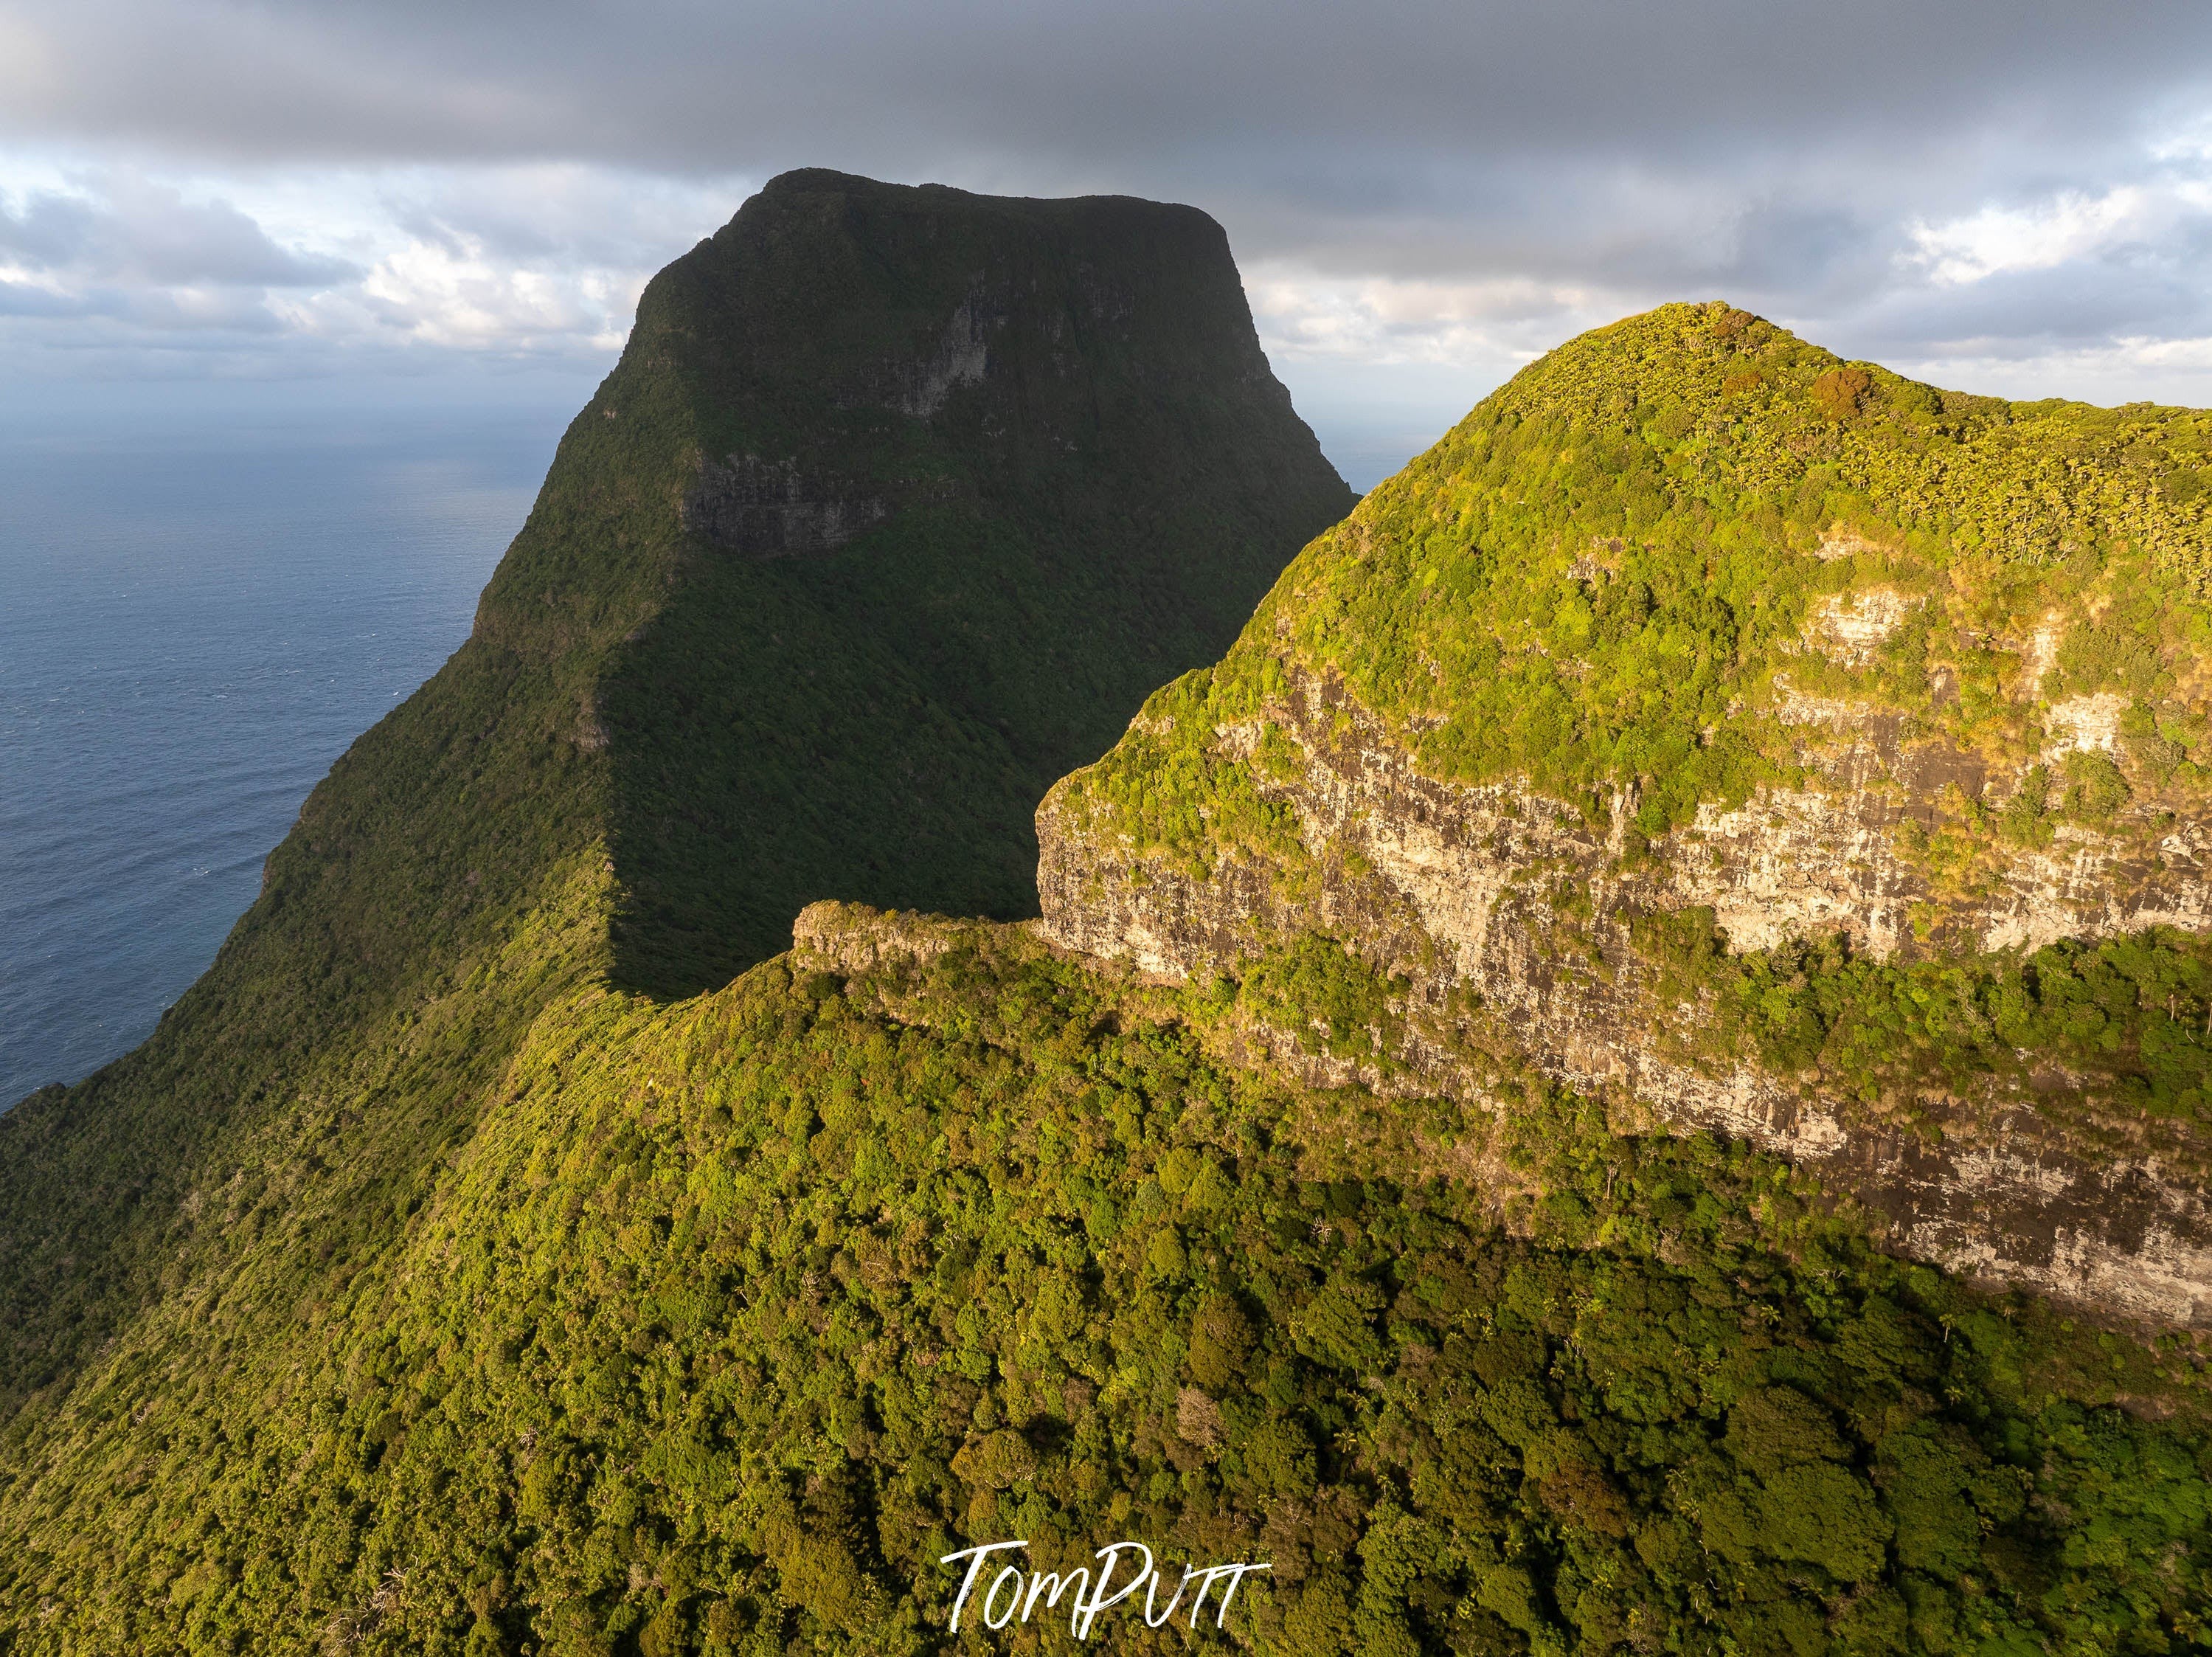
x,y
738,1315
897,505
1763,741
975,477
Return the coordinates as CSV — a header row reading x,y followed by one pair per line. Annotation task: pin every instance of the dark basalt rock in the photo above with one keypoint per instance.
x,y
766,511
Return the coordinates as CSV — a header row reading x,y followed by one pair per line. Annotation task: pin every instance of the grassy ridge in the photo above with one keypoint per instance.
x,y
626,770
1602,577
738,1314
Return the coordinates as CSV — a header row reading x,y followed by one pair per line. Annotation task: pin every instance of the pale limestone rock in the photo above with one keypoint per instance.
x,y
2041,653
1456,895
1843,543
1849,628
2081,723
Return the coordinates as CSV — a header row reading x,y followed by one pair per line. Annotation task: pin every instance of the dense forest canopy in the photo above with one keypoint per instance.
x,y
740,1315
448,1277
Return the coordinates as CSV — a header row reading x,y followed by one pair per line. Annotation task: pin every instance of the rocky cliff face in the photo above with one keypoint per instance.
x,y
897,504
957,480
1509,915
1883,846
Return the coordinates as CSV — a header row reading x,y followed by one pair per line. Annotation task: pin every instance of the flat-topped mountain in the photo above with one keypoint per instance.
x,y
898,503
438,1282
938,487
1759,741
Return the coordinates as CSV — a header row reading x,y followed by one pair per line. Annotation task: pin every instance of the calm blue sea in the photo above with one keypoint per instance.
x,y
199,612
200,607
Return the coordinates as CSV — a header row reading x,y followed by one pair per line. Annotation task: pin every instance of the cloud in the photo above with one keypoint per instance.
x,y
28,299
126,227
450,293
687,87
1497,322
1987,186
338,272
2159,221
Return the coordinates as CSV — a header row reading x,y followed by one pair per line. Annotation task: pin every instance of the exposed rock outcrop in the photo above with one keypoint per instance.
x,y
1621,738
1497,898
751,506
853,938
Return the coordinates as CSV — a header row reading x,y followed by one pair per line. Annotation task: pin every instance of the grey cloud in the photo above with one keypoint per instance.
x,y
1149,86
48,231
2031,312
573,216
22,298
152,318
149,233
1777,152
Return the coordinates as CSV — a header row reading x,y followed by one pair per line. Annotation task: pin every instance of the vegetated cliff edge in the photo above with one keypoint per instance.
x,y
739,1313
1759,740
712,1325
897,505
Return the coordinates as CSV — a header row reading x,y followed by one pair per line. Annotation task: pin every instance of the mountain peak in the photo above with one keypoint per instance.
x,y
885,519
1698,705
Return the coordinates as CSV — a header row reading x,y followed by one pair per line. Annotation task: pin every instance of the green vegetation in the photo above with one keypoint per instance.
x,y
2118,1033
1605,576
1096,512
657,746
433,1283
1329,999
735,1316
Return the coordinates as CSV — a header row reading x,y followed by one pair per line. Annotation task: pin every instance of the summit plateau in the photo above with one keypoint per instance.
x,y
1621,1066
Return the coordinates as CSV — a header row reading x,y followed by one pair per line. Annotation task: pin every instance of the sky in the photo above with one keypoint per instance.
x,y
399,198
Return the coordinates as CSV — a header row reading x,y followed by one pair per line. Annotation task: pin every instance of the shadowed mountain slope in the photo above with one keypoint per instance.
x,y
898,502
961,480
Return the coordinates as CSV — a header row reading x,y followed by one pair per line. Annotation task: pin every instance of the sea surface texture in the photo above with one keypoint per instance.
x,y
197,617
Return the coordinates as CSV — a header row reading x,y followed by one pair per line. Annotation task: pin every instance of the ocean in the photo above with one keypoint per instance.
x,y
199,611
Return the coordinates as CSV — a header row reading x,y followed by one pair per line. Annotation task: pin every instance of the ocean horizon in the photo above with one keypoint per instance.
x,y
210,598
207,605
